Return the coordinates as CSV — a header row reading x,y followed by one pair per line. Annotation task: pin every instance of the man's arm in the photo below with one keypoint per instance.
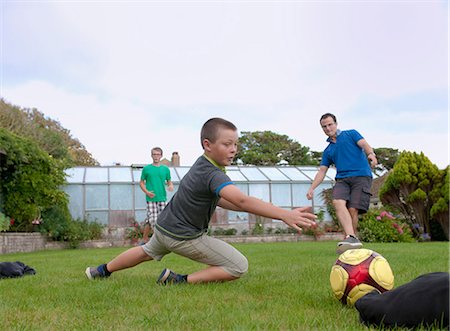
x,y
294,218
362,143
317,180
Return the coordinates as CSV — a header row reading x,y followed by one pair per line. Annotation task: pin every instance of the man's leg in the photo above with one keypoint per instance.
x,y
354,215
344,216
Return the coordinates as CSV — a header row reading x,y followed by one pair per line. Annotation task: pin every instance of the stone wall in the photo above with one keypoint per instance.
x,y
21,242
30,242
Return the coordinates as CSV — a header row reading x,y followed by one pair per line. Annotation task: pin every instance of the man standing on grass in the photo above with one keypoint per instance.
x,y
153,179
349,152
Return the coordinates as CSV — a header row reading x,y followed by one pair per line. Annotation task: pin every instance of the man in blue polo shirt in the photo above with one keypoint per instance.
x,y
350,153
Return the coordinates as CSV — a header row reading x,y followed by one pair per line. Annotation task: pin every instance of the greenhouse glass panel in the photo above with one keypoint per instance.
x,y
237,216
310,173
96,196
139,198
260,191
137,175
318,199
121,197
140,215
181,172
75,175
122,175
171,194
252,173
173,175
331,173
281,195
231,168
273,174
299,195
243,187
96,175
75,193
236,176
97,216
294,174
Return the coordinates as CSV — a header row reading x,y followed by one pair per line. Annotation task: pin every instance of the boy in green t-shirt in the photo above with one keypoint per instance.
x,y
153,180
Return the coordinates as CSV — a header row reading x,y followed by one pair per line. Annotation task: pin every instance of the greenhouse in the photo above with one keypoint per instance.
x,y
111,195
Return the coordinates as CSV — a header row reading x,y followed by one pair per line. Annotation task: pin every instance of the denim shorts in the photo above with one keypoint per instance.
x,y
205,249
354,190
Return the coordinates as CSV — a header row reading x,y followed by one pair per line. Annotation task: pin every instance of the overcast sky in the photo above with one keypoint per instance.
x,y
124,76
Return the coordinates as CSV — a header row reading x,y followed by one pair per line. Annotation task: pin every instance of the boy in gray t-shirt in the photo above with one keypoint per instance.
x,y
181,227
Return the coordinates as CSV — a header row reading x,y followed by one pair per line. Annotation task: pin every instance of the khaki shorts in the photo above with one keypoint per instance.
x,y
205,249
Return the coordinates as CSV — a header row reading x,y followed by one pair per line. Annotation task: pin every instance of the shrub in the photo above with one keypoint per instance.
x,y
134,231
55,222
5,222
30,180
230,232
382,226
58,225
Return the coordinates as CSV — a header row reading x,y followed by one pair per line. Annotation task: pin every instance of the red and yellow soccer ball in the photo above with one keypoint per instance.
x,y
358,272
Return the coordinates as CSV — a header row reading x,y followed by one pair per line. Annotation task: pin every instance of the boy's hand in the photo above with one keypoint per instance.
x,y
300,217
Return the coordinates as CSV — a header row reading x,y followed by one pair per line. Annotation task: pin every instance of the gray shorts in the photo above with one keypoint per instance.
x,y
354,190
205,249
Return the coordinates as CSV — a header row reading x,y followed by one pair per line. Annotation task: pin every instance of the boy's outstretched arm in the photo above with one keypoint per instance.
x,y
232,197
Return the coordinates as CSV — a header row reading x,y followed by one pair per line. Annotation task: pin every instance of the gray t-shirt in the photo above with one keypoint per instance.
x,y
188,213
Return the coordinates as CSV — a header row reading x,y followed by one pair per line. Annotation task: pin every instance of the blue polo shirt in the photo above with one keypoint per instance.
x,y
349,159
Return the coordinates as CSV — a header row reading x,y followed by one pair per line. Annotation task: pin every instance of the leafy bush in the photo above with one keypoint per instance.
x,y
58,224
382,226
30,180
134,231
55,222
5,222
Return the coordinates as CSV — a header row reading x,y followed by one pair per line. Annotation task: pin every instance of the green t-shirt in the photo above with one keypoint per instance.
x,y
155,180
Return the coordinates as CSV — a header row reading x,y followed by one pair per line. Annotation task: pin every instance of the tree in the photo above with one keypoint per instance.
x,y
440,195
30,179
386,159
269,148
47,133
408,188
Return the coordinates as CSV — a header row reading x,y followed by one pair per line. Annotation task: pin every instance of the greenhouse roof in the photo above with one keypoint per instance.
x,y
240,174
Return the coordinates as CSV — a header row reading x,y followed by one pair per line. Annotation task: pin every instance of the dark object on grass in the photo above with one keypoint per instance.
x,y
15,269
423,302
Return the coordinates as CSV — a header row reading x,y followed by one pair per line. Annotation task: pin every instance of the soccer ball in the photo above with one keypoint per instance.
x,y
358,272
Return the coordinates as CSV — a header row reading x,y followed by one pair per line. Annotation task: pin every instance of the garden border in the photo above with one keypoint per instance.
x,y
24,242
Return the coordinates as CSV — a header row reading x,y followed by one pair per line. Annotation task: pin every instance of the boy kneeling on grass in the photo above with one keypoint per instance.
x,y
181,227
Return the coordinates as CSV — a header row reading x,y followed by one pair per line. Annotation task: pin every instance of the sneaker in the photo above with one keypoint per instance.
x,y
93,273
350,242
169,277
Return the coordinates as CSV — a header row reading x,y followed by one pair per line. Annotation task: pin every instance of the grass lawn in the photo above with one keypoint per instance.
x,y
287,288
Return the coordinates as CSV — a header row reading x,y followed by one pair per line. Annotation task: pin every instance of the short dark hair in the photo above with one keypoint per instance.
x,y
211,126
158,149
324,116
